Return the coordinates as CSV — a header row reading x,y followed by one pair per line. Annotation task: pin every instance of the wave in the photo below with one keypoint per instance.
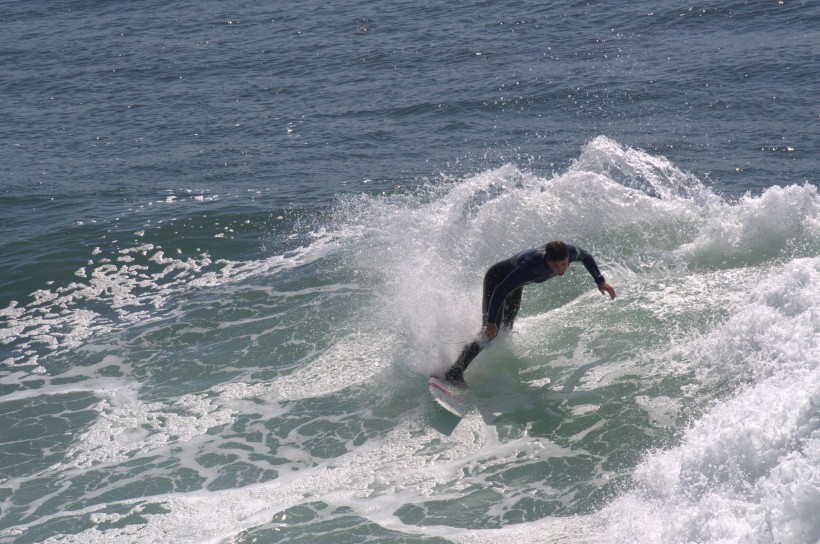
x,y
289,385
749,469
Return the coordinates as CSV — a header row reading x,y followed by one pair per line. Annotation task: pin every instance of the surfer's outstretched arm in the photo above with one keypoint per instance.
x,y
605,288
592,267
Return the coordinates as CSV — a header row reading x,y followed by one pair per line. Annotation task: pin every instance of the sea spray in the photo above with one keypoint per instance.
x,y
287,391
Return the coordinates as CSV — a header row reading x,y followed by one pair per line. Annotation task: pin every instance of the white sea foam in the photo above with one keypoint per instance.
x,y
132,291
705,305
783,222
374,480
348,363
749,470
127,427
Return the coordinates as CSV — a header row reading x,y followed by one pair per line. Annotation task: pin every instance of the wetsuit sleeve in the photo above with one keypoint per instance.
x,y
589,264
514,280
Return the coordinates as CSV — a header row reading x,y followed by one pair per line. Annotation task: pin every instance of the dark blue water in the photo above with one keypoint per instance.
x,y
235,236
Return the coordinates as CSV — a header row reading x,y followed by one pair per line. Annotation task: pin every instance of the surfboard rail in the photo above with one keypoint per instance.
x,y
451,397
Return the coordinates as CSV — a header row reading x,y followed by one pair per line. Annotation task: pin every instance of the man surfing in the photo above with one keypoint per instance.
x,y
504,284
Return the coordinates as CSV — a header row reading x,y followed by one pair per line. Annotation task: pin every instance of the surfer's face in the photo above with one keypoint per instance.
x,y
559,267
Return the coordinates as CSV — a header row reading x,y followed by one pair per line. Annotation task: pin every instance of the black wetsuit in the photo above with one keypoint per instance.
x,y
503,286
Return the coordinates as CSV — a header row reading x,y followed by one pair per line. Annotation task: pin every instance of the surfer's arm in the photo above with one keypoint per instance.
x,y
592,267
606,289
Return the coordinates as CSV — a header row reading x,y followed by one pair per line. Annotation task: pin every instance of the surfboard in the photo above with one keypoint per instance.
x,y
451,397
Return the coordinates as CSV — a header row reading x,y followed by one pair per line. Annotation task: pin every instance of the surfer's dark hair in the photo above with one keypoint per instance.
x,y
557,251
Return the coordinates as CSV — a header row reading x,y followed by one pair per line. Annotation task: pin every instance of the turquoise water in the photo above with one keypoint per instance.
x,y
236,240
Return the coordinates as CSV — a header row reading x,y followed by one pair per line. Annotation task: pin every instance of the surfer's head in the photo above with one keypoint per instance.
x,y
557,251
557,255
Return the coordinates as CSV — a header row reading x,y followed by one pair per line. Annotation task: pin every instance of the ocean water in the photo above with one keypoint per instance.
x,y
236,237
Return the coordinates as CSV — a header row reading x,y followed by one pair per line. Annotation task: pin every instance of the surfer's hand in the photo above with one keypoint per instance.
x,y
490,331
605,288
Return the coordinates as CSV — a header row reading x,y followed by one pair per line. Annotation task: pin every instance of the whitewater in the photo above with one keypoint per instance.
x,y
167,395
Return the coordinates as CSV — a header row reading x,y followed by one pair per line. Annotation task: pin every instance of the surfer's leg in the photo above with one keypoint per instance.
x,y
492,278
456,372
511,306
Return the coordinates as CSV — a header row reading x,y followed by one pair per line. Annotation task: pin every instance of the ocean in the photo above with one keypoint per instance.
x,y
236,237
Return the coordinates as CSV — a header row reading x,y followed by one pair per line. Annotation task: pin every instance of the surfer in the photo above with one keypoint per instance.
x,y
504,284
